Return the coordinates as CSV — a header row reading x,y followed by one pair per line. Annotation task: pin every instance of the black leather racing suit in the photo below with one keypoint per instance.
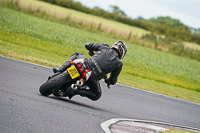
x,y
104,61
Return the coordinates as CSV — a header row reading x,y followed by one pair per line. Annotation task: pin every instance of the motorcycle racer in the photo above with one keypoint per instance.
x,y
105,60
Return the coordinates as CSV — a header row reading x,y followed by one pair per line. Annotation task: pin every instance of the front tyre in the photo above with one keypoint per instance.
x,y
59,80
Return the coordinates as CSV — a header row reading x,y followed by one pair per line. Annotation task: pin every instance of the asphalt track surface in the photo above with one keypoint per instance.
x,y
23,109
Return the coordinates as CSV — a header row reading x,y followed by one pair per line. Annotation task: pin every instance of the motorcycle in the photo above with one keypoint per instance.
x,y
65,83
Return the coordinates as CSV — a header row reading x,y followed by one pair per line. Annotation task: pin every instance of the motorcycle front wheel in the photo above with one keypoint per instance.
x,y
55,82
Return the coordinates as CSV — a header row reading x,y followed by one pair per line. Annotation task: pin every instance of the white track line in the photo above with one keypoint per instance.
x,y
107,124
116,83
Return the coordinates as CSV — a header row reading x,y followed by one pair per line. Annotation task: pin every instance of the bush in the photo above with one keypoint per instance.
x,y
177,32
180,50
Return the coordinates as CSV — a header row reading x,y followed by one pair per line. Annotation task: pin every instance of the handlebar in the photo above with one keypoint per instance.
x,y
91,53
107,81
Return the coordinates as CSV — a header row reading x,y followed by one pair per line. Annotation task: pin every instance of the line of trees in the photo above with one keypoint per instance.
x,y
173,29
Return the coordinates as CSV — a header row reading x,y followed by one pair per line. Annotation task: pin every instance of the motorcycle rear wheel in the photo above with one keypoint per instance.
x,y
53,83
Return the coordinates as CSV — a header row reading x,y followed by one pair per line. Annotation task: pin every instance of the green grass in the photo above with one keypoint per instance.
x,y
44,42
178,131
87,18
82,17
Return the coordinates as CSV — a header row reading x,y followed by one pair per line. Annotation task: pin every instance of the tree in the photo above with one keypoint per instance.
x,y
167,20
116,10
140,18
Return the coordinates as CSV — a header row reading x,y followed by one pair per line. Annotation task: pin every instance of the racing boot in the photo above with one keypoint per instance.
x,y
84,93
77,92
72,95
62,68
58,69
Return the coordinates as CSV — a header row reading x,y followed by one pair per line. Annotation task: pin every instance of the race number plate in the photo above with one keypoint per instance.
x,y
73,72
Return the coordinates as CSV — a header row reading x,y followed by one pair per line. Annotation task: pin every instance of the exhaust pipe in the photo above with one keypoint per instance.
x,y
74,86
79,83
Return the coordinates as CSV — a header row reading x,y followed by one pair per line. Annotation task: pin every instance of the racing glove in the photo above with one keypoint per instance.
x,y
107,81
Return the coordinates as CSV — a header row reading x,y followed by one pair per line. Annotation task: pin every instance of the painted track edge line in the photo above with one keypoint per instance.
x,y
104,125
159,94
25,62
107,124
116,83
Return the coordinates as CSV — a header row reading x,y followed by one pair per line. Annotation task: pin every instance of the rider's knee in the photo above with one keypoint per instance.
x,y
96,98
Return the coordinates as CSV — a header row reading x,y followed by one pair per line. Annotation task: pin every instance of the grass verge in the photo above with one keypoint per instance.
x,y
101,26
178,131
44,42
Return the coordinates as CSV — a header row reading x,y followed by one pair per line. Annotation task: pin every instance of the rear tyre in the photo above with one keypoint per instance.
x,y
59,80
